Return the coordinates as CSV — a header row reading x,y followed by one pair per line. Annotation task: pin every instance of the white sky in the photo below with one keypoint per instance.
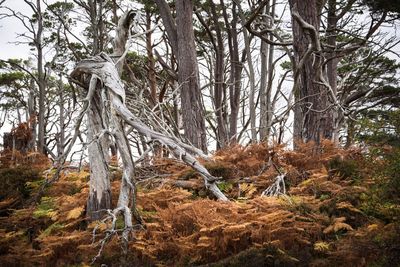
x,y
9,27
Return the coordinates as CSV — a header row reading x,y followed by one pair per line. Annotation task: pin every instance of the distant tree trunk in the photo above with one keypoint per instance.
x,y
332,65
32,117
252,100
181,37
267,71
312,115
61,135
219,85
235,75
41,79
151,60
188,77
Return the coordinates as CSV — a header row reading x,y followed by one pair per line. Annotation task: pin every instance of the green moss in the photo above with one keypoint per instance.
x,y
120,224
323,197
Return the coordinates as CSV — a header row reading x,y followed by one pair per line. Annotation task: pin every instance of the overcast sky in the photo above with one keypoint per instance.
x,y
9,27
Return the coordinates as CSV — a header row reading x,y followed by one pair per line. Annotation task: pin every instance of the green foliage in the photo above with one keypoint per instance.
x,y
225,186
137,63
381,6
46,208
54,228
11,78
345,168
286,65
378,127
383,200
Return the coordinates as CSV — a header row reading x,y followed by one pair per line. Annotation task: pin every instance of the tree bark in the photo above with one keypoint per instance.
x,y
188,77
98,122
332,65
181,37
99,184
267,56
41,79
312,115
252,102
151,61
219,85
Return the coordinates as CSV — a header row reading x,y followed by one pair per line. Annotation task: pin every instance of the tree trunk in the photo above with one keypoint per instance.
x,y
313,117
99,184
267,71
219,85
32,115
41,80
332,65
98,122
235,74
61,135
151,61
252,103
188,77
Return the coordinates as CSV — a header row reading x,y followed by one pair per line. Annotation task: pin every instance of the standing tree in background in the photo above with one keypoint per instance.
x,y
313,120
181,37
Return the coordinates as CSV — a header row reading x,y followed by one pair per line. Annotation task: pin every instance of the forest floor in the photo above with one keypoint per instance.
x,y
340,208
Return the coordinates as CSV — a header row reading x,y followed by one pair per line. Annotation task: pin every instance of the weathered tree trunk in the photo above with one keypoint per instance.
x,y
313,117
98,122
103,67
99,198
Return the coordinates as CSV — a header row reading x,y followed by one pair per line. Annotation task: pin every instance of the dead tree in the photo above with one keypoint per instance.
x,y
101,70
102,66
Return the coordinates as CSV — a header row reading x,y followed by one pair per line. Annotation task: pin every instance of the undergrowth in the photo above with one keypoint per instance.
x,y
341,209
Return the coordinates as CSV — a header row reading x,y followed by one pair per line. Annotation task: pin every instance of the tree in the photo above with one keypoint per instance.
x,y
313,120
181,37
